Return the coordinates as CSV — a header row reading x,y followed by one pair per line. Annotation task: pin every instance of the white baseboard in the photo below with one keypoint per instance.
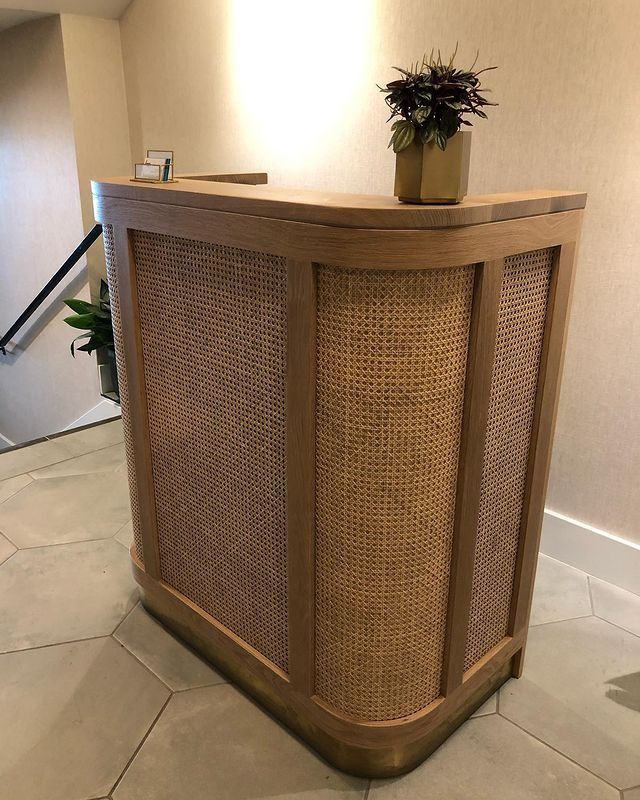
x,y
5,442
592,550
104,410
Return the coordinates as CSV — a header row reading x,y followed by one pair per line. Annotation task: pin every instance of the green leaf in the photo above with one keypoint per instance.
x,y
441,140
80,306
420,115
403,136
82,321
82,336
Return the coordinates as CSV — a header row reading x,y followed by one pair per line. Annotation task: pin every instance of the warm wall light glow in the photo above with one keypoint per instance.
x,y
296,68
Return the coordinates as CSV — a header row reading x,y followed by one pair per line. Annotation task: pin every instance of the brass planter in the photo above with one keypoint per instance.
x,y
426,174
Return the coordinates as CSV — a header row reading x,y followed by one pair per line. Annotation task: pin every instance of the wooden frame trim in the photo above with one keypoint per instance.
x,y
482,344
542,437
368,747
301,400
138,415
346,247
337,209
264,679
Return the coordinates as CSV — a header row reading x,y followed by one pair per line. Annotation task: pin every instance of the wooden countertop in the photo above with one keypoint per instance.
x,y
335,209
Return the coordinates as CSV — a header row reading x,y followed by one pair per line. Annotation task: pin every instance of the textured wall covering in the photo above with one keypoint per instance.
x,y
40,224
389,415
216,407
552,129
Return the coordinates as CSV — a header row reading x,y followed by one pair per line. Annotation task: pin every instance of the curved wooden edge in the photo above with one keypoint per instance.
x,y
345,247
248,178
362,748
338,209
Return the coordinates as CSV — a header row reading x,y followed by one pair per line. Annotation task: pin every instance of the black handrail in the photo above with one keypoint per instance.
x,y
80,250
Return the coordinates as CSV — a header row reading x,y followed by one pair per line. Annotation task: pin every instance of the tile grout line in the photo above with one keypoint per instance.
x,y
55,463
10,540
53,644
224,682
126,616
558,621
590,595
147,668
560,753
11,555
367,790
139,747
73,541
21,489
613,624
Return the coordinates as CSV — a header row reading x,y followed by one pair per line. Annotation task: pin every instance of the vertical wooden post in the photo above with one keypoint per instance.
x,y
139,421
541,439
301,400
482,342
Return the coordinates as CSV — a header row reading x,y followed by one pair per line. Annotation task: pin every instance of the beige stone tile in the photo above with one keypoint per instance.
x,y
109,459
580,693
6,549
560,592
66,509
616,605
94,438
491,759
164,654
57,594
632,794
490,706
215,744
77,713
12,486
34,456
125,535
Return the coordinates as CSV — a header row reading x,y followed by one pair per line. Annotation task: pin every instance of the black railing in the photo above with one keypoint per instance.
x,y
77,254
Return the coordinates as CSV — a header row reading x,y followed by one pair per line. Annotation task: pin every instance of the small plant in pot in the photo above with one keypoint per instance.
x,y
429,104
96,321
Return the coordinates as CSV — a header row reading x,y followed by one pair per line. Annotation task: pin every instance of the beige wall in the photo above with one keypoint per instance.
x,y
42,389
290,87
95,81
63,120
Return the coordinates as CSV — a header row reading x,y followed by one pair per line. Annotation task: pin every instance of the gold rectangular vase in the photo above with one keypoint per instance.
x,y
427,174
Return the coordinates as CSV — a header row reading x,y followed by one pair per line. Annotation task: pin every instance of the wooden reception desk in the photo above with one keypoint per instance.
x,y
338,414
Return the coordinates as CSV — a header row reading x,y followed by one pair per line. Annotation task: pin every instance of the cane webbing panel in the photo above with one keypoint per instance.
x,y
110,259
213,325
391,360
519,338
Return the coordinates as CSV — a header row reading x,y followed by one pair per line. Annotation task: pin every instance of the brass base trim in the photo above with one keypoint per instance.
x,y
430,201
371,750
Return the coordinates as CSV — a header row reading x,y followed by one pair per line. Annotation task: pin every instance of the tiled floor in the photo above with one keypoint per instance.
x,y
97,700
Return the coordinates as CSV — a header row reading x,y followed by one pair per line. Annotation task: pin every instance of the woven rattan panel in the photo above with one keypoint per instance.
x,y
110,258
391,359
213,322
521,324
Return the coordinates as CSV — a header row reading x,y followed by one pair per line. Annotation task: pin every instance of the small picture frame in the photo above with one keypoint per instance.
x,y
157,168
160,155
148,172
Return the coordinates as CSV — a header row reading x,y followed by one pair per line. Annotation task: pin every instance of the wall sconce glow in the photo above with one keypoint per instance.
x,y
297,66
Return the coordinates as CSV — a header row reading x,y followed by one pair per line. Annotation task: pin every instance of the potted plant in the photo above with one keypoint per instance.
x,y
429,104
96,320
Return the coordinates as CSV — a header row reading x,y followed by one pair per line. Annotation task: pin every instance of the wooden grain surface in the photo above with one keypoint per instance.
x,y
336,209
301,415
360,248
482,342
